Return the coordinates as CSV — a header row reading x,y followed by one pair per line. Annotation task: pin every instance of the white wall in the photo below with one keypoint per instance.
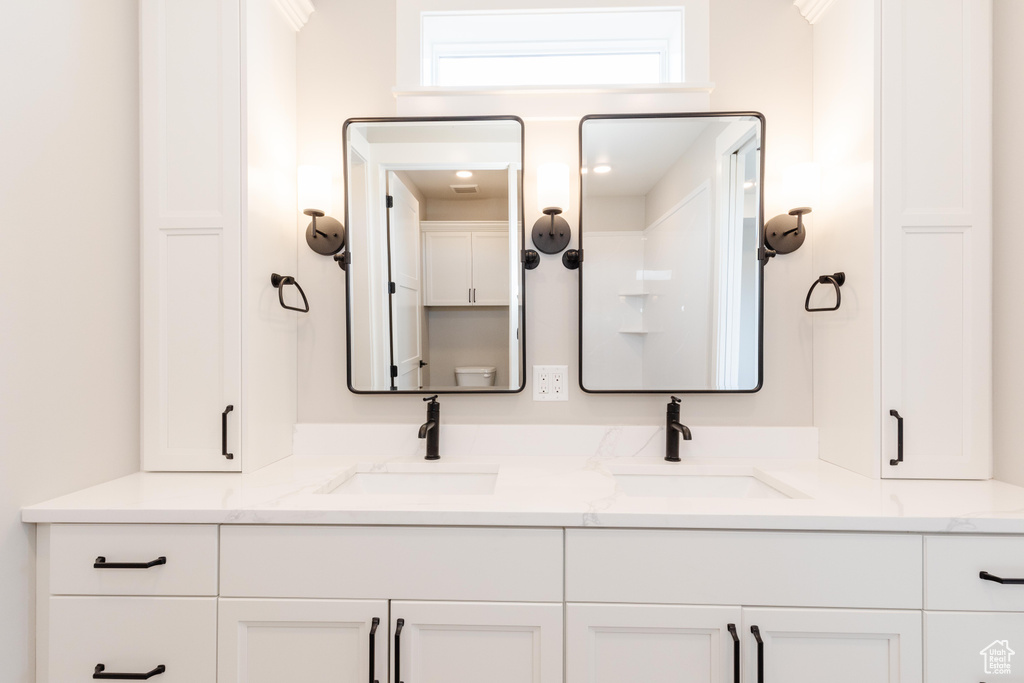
x,y
760,59
842,230
1008,242
69,252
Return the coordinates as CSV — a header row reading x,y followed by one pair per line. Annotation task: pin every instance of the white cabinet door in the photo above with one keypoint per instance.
x,y
651,643
132,636
469,642
839,646
936,241
191,226
313,641
973,646
490,269
448,268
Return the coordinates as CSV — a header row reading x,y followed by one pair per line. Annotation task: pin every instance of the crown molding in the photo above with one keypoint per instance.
x,y
296,11
812,10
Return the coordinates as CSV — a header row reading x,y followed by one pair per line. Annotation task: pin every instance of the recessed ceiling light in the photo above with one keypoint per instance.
x,y
583,170
464,174
604,168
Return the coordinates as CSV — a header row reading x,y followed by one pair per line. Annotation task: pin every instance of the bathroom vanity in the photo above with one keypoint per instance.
x,y
610,565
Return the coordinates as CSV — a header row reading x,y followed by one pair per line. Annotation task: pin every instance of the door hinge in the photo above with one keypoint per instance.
x,y
389,202
394,371
391,288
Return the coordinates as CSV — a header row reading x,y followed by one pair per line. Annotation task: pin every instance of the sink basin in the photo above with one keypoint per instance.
x,y
683,485
414,480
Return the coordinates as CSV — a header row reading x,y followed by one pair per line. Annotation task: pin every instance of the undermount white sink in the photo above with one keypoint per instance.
x,y
432,479
696,485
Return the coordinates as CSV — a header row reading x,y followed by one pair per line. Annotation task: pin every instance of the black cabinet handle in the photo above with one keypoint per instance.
x,y
735,652
373,649
398,650
899,438
101,563
224,433
98,672
760,653
998,579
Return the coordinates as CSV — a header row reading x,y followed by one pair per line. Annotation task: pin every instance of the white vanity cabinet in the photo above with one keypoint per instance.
x,y
842,607
468,266
216,79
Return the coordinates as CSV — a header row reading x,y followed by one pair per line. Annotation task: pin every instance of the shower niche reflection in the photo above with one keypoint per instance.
x,y
670,228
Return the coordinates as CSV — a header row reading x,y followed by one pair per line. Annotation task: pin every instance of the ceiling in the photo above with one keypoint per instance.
x,y
437,184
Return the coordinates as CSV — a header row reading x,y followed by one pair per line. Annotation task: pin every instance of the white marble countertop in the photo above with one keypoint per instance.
x,y
548,491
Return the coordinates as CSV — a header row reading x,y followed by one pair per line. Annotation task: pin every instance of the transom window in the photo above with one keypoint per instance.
x,y
633,46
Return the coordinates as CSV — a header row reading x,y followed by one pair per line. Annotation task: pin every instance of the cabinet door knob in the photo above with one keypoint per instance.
x,y
100,672
101,563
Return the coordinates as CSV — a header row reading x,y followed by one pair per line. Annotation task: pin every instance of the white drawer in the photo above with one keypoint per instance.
x,y
414,563
953,565
190,552
743,568
973,646
133,635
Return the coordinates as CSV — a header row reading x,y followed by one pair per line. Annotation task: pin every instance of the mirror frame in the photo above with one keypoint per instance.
x,y
522,247
762,258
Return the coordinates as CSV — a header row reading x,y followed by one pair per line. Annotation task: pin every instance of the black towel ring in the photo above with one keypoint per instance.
x,y
837,280
279,281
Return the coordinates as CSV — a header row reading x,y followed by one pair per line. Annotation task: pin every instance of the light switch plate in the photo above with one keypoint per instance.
x,y
550,382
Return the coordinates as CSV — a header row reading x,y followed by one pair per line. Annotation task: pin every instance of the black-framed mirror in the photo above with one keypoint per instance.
x,y
671,280
435,298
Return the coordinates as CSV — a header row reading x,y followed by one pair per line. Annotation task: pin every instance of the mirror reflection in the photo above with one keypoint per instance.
x,y
433,210
670,285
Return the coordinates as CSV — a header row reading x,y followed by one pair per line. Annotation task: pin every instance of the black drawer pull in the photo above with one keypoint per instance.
x,y
998,579
224,433
99,673
735,652
899,438
760,653
101,563
373,646
398,650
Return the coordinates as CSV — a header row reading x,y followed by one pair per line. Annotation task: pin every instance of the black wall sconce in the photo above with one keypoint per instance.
x,y
785,233
551,233
324,235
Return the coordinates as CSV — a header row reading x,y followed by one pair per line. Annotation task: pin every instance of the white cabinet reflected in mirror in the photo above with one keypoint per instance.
x,y
435,283
671,281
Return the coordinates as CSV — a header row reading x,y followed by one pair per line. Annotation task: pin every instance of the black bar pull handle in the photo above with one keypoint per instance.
x,y
101,563
100,672
760,653
837,280
899,438
279,281
398,650
998,579
373,649
735,653
224,433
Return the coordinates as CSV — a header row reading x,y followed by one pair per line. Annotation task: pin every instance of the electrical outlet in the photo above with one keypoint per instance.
x,y
550,382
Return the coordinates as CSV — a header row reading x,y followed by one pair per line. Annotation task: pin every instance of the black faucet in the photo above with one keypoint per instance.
x,y
673,428
431,429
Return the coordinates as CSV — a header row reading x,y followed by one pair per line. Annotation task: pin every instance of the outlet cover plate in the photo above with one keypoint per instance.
x,y
550,382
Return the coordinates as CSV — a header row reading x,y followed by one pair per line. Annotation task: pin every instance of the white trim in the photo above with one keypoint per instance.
x,y
463,226
470,91
813,10
296,11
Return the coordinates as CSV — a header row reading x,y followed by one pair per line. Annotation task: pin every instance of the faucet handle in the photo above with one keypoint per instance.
x,y
432,399
675,400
